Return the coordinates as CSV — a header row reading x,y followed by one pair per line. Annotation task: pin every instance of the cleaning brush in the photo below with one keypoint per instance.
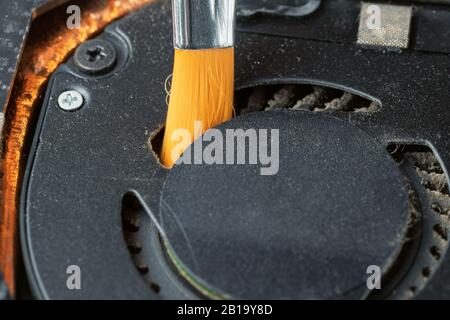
x,y
203,74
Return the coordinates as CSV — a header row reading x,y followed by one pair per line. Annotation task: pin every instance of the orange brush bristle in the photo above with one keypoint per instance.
x,y
202,91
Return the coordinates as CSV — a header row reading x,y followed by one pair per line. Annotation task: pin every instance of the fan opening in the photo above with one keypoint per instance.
x,y
427,240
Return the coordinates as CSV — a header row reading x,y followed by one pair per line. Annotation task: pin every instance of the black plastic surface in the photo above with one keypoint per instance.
x,y
433,29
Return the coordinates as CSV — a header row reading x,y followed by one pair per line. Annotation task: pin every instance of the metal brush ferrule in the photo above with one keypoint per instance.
x,y
203,24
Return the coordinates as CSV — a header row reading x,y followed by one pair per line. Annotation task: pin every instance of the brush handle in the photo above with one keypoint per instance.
x,y
203,24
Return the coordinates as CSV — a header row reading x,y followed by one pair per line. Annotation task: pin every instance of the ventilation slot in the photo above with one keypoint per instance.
x,y
302,97
131,215
427,178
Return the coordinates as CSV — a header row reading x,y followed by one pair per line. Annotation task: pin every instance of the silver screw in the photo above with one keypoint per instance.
x,y
70,100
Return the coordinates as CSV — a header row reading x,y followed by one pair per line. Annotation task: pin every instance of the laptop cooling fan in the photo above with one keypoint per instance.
x,y
361,183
